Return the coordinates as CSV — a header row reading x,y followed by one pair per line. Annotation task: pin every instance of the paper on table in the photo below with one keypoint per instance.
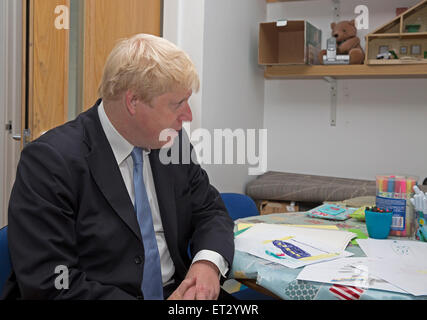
x,y
291,246
403,273
346,272
400,262
389,248
335,239
241,226
312,226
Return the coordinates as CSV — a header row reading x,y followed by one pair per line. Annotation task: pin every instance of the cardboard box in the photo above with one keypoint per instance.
x,y
289,42
268,207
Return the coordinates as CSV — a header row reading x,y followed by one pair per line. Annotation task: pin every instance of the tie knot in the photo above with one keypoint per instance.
x,y
137,155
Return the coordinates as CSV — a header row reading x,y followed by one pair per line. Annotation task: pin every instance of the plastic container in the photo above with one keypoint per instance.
x,y
393,193
420,226
378,224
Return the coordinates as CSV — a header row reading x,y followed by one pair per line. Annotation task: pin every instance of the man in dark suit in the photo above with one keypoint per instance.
x,y
73,228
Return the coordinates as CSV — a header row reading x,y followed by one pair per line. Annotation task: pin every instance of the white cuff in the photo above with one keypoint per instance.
x,y
213,257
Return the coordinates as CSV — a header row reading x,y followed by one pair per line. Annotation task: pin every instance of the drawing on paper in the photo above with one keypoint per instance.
x,y
359,275
294,250
401,249
288,249
292,247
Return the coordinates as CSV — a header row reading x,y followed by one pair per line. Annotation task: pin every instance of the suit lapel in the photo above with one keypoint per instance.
x,y
106,172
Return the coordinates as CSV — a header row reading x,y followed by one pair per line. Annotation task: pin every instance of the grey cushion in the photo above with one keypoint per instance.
x,y
307,188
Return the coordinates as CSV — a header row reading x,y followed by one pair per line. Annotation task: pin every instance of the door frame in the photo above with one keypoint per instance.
x,y
11,35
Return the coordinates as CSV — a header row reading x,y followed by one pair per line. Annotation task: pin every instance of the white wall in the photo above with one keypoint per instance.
x,y
221,36
381,123
183,24
233,93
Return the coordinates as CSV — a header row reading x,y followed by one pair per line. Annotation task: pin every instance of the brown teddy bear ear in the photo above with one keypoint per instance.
x,y
333,24
353,23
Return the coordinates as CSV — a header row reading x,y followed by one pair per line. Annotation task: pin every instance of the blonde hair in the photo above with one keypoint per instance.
x,y
148,65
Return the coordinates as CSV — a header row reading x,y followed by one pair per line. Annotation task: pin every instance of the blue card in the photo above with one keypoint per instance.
x,y
331,209
330,212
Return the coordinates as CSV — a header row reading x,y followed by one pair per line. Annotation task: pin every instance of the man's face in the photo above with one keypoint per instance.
x,y
166,111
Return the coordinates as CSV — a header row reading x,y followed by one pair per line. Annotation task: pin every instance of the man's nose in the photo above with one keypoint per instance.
x,y
186,115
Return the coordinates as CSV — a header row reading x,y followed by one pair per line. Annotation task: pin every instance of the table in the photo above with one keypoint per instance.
x,y
279,281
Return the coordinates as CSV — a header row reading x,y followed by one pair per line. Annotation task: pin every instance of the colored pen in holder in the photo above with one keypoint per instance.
x,y
421,227
378,222
394,192
419,202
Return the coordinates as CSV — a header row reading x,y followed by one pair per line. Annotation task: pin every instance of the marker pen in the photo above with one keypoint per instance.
x,y
408,213
390,186
398,188
417,190
410,183
380,181
401,189
384,187
424,206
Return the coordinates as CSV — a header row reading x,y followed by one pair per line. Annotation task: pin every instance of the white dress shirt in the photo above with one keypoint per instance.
x,y
122,151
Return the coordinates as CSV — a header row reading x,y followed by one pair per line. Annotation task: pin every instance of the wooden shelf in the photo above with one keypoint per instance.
x,y
345,71
395,62
391,34
284,0
404,35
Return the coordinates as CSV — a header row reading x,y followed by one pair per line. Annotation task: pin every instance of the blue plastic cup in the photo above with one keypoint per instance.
x,y
378,224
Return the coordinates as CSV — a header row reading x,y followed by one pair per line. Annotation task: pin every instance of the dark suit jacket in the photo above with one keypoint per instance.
x,y
69,206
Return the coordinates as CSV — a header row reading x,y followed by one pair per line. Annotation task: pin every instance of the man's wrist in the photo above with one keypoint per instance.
x,y
215,258
210,265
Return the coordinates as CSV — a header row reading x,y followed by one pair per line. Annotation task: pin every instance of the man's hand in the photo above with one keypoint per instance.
x,y
185,285
206,287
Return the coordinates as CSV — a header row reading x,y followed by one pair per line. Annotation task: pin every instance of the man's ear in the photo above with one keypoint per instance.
x,y
130,101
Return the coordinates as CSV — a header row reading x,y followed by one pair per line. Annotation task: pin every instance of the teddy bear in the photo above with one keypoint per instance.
x,y
345,33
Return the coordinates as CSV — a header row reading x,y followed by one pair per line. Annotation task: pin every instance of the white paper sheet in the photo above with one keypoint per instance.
x,y
390,248
293,247
402,263
346,272
403,273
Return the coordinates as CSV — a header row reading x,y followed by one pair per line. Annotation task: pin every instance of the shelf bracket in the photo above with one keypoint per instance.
x,y
336,7
333,91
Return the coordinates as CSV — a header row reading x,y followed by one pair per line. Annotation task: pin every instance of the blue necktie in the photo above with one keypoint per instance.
x,y
151,286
